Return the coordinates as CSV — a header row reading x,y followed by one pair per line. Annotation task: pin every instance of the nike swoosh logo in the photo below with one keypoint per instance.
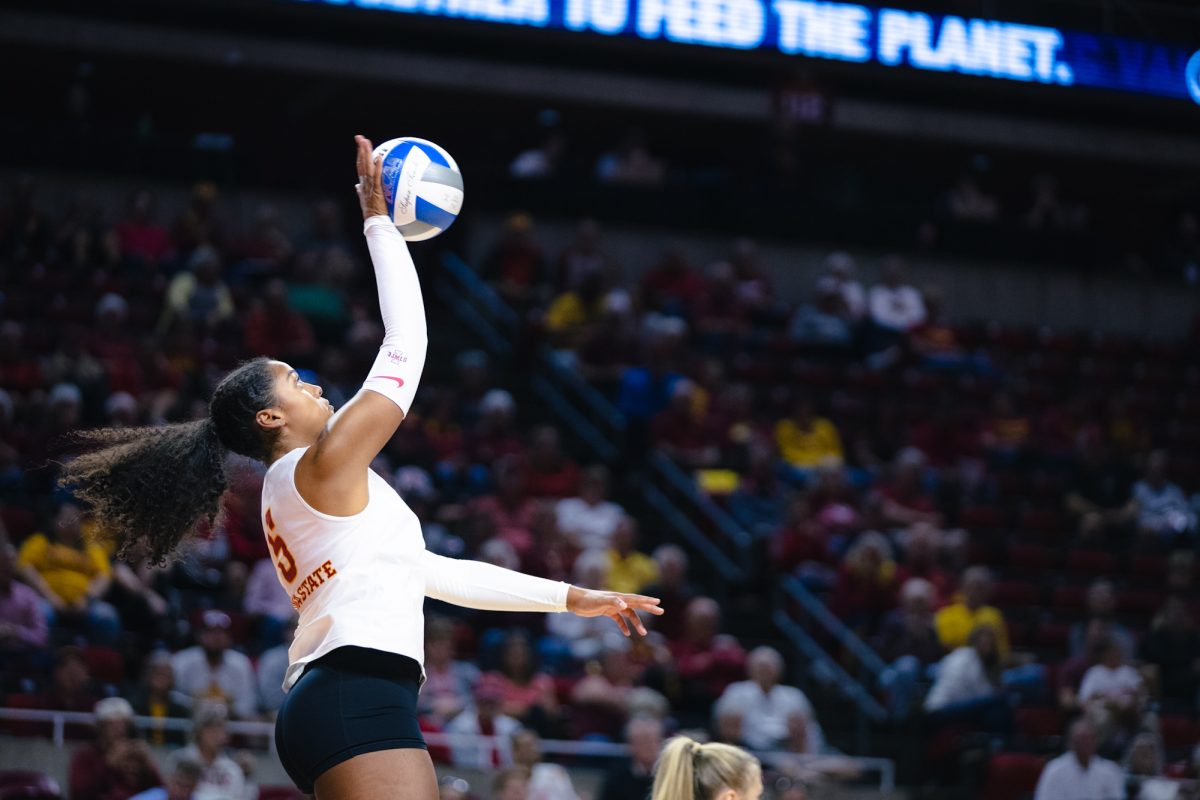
x,y
399,381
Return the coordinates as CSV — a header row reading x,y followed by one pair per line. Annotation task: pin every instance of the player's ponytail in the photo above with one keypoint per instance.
x,y
148,488
689,770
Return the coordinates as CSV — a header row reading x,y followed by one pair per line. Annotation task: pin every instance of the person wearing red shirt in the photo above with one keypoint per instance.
x,y
139,236
548,472
510,509
707,661
672,286
921,561
272,326
115,765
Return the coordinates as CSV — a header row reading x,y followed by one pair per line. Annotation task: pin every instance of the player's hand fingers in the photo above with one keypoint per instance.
x,y
363,156
377,172
621,623
643,603
635,620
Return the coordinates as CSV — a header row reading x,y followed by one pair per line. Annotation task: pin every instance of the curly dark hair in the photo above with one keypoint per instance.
x,y
148,488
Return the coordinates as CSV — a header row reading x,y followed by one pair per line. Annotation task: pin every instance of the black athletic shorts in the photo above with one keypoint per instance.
x,y
350,701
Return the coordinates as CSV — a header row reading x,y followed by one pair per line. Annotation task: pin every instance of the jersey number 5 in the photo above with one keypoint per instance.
x,y
285,562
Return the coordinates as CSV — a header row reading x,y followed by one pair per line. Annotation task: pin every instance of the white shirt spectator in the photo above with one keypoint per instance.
x,y
1065,778
482,755
900,308
272,666
231,682
1164,510
263,594
854,297
1102,681
961,677
550,782
588,526
765,714
221,780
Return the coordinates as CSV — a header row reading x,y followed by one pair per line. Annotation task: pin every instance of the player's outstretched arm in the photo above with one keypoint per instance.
x,y
475,584
332,475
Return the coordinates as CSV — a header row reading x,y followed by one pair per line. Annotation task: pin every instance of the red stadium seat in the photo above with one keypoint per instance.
x,y
1044,522
279,793
1053,636
1070,600
1007,594
1039,723
1179,733
1091,562
1145,602
105,664
1028,557
1011,776
1149,568
980,518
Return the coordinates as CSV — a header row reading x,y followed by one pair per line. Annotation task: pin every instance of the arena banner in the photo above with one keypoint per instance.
x,y
855,33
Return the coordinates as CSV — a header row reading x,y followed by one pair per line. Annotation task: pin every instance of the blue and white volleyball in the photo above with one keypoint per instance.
x,y
422,185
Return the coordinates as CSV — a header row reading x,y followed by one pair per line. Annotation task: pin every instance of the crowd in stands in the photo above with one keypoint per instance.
x,y
1008,516
115,317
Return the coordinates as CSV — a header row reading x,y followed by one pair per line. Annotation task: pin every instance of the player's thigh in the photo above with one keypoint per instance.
x,y
381,775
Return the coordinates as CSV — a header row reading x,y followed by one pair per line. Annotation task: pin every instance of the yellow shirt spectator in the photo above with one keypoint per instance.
x,y
814,445
66,570
954,623
631,573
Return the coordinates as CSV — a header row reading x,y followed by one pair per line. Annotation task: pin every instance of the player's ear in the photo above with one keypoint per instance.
x,y
270,418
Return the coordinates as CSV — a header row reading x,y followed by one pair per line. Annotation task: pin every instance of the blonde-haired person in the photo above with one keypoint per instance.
x,y
689,770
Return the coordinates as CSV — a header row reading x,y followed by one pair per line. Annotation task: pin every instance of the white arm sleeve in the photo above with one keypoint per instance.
x,y
474,584
397,369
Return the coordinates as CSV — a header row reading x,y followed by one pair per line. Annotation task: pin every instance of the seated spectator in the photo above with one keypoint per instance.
x,y
274,327
1080,774
967,202
1006,432
629,570
903,497
955,622
1163,512
115,765
511,783
220,778
866,583
590,519
510,509
23,628
802,546
936,343
760,501
646,390
807,441
582,258
968,689
263,600
528,694
1144,764
1113,694
548,471
516,265
1098,494
198,294
495,435
707,661
71,686
672,588
541,162
1070,673
718,312
922,548
484,719
1172,650
272,668
1047,211
766,704
612,345
141,239
1102,611
546,781
157,697
574,314
448,681
671,287
600,700
681,430
825,323
894,305
553,554
728,724
20,370
584,635
182,779
630,163
213,671
635,776
841,268
908,642
71,574
134,595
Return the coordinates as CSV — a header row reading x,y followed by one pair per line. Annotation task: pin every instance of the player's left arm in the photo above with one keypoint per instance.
x,y
475,584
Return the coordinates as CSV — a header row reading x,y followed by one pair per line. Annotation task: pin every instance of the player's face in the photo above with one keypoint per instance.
x,y
303,407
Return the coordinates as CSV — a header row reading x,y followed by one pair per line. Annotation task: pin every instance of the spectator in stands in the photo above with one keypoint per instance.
x,y
635,777
1113,695
728,724
516,265
23,628
202,222
198,294
182,780
766,704
719,315
448,681
645,391
576,313
511,783
1102,611
671,286
922,554
612,345
485,719
157,697
908,643
1172,650
600,700
510,509
1006,432
807,441
71,686
274,327
495,435
272,668
71,574
1143,764
528,694
760,501
824,324
802,546
630,163
582,258
1163,512
1047,211
681,430
20,370
140,238
841,268
541,162
1069,675
894,305
590,519
904,498
967,202
1080,774
866,583
584,636
1098,494
707,661
672,587
265,602
752,284
968,689
213,671
221,778
115,765
955,622
548,471
629,570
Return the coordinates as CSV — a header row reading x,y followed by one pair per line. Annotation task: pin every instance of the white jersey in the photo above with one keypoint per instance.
x,y
362,580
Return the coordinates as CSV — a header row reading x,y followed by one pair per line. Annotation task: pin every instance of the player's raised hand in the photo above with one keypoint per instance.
x,y
370,180
622,608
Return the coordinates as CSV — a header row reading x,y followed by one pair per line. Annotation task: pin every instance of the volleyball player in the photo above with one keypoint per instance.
x,y
689,770
348,550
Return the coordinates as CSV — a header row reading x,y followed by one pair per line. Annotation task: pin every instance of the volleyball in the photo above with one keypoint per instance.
x,y
422,185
